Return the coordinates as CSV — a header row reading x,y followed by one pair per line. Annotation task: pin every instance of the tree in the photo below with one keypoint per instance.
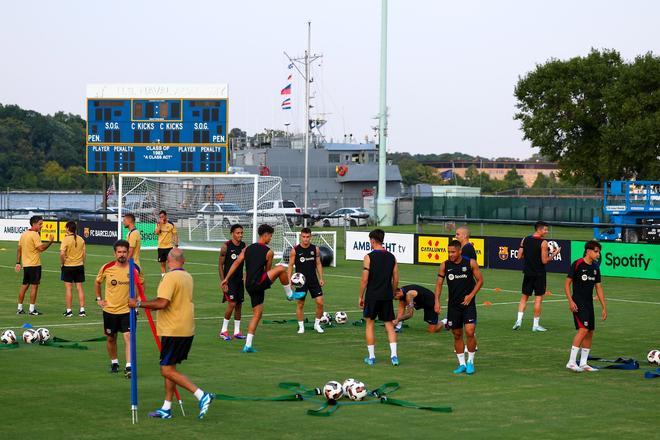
x,y
513,180
598,116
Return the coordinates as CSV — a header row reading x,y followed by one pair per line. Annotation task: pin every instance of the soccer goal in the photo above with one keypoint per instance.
x,y
322,239
203,207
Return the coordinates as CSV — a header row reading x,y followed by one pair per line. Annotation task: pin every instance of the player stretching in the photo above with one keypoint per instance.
x,y
380,278
584,274
259,277
167,239
464,280
535,255
413,297
307,259
115,304
235,294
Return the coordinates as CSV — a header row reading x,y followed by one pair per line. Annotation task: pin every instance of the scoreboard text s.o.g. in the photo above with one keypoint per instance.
x,y
156,128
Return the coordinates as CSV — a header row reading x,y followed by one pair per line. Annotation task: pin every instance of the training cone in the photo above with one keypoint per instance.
x,y
547,292
488,303
497,289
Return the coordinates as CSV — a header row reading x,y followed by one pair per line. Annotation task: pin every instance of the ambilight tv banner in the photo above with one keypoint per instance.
x,y
625,259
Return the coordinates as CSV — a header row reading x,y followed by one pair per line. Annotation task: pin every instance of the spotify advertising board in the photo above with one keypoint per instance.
x,y
625,259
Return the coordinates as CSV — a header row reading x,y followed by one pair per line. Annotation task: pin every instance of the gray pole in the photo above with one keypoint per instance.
x,y
383,210
307,52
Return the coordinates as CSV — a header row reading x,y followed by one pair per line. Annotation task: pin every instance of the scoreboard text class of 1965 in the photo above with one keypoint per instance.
x,y
157,128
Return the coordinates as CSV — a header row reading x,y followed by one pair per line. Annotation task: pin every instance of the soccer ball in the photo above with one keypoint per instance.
x,y
326,318
298,280
653,357
44,334
341,317
357,391
30,336
8,337
346,385
552,245
333,390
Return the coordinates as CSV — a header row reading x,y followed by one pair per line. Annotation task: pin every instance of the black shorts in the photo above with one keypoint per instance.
x,y
116,323
430,316
459,315
32,275
379,309
533,284
584,317
73,274
162,254
235,292
258,290
174,349
314,289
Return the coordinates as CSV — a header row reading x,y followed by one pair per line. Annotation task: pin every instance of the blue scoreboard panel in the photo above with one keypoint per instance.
x,y
151,135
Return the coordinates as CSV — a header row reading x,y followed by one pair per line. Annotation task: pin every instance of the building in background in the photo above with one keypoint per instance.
x,y
496,169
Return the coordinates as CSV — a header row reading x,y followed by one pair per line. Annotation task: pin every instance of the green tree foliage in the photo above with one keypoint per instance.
x,y
38,151
598,116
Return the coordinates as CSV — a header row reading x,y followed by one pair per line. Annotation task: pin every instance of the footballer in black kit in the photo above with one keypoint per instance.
x,y
413,297
584,276
234,296
464,280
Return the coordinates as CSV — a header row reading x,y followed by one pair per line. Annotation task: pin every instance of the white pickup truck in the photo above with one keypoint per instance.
x,y
286,208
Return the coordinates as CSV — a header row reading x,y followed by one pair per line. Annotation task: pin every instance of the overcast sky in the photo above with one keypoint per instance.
x,y
452,65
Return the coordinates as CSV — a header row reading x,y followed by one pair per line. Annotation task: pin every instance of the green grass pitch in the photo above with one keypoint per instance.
x,y
520,389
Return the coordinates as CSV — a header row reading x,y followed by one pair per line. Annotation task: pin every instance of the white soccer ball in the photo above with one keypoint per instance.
x,y
552,245
333,390
357,391
346,385
298,280
44,334
326,318
653,357
341,317
8,337
30,336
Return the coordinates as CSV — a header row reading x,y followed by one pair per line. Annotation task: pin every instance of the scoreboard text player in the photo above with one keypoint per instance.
x,y
156,128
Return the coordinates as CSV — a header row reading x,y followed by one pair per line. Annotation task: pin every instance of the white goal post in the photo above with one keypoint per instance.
x,y
202,206
326,239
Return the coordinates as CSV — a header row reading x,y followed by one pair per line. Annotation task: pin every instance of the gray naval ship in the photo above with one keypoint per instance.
x,y
340,174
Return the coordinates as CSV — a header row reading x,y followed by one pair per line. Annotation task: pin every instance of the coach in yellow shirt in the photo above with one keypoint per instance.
x,y
28,255
115,276
167,239
134,238
72,257
176,328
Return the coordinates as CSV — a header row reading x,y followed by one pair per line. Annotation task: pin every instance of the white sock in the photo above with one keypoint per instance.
x,y
287,289
574,352
199,394
167,405
392,349
471,357
536,321
128,365
520,316
301,324
162,275
225,325
237,326
114,361
444,321
461,358
372,351
32,307
584,356
68,310
248,340
82,309
20,307
317,322
398,325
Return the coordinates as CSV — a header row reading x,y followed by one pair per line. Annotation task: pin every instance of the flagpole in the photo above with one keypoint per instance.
x,y
307,52
105,196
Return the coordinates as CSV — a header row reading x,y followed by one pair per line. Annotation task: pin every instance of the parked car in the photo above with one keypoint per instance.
x,y
345,217
225,213
272,210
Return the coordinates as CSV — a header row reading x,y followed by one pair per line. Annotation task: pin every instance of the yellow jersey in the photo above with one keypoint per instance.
x,y
178,318
117,287
135,241
166,235
74,250
29,242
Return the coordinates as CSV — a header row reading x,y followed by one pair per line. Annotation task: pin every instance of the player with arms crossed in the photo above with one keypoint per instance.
x,y
380,278
464,280
167,239
28,255
414,297
115,276
584,275
307,260
176,328
259,276
534,252
235,293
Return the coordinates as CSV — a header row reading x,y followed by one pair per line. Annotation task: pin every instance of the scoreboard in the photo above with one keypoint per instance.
x,y
156,128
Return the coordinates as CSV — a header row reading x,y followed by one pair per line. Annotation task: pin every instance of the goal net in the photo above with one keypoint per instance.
x,y
203,207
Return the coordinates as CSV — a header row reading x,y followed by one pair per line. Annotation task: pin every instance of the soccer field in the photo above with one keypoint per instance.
x,y
520,389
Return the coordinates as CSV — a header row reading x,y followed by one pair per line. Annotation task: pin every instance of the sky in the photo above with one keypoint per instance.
x,y
452,66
